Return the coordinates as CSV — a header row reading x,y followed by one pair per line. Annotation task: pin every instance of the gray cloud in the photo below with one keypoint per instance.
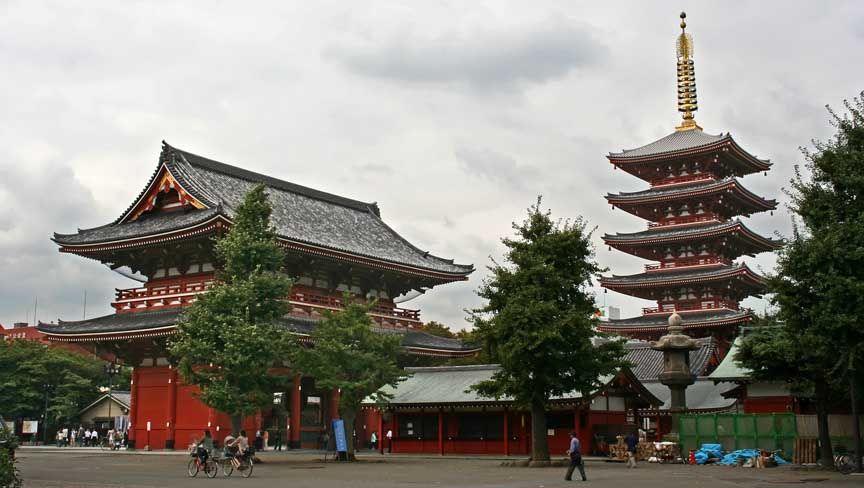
x,y
492,58
493,166
38,200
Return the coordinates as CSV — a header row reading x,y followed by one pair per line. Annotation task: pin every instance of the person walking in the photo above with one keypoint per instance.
x,y
632,441
389,437
373,441
575,453
277,441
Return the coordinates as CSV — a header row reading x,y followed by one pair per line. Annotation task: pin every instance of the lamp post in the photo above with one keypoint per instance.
x,y
112,369
46,387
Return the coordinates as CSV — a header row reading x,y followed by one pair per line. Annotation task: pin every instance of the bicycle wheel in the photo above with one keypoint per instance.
x,y
227,467
211,469
103,444
192,468
246,468
844,464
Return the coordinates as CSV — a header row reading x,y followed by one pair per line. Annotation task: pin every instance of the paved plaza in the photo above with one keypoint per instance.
x,y
98,469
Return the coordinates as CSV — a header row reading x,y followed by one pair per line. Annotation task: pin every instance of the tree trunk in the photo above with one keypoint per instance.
x,y
826,454
539,444
856,423
236,425
348,417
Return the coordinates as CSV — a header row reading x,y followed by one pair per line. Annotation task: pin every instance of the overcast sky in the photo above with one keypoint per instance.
x,y
453,116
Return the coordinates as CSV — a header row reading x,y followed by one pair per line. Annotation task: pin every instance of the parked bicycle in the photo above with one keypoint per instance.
x,y
201,461
845,462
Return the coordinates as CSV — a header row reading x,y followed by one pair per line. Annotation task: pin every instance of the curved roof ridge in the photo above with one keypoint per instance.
x,y
426,254
253,177
674,142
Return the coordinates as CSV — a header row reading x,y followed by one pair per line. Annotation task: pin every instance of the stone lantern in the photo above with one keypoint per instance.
x,y
676,347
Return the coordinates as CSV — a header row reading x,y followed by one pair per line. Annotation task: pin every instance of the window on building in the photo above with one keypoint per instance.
x,y
418,426
559,420
481,426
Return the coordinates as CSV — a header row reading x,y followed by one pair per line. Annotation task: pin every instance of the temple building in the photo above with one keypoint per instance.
x,y
693,236
164,239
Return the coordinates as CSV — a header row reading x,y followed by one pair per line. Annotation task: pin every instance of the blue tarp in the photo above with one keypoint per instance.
x,y
731,459
708,451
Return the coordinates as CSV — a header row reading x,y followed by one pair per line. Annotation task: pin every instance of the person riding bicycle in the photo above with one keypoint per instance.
x,y
204,447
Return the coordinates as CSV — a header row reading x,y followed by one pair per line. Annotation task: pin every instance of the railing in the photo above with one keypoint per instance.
x,y
692,307
303,302
682,263
168,295
689,219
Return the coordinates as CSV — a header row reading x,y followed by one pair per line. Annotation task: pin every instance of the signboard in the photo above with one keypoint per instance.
x,y
339,435
29,426
313,400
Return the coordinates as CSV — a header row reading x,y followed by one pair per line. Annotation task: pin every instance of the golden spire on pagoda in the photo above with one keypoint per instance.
x,y
686,79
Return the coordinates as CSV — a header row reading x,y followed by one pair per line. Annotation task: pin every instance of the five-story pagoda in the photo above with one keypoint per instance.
x,y
693,236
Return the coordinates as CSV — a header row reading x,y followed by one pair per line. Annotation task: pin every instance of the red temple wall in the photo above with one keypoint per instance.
x,y
151,403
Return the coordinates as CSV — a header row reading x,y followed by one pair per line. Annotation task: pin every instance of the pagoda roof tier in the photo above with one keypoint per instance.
x,y
681,145
739,200
691,321
733,232
651,284
306,220
140,325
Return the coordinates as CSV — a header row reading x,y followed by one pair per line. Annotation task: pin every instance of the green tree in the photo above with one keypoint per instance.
x,y
33,375
819,282
349,356
538,322
228,341
8,472
438,329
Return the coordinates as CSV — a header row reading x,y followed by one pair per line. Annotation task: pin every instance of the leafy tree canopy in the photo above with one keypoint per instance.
x,y
228,341
349,356
538,322
31,371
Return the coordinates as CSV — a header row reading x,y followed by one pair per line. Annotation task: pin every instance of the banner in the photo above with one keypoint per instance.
x,y
29,426
339,435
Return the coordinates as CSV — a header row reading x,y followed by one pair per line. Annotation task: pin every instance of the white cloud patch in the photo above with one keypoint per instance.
x,y
482,58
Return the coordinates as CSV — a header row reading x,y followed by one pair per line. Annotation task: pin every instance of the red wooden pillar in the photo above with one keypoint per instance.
x,y
440,432
506,432
172,408
381,431
294,431
133,407
335,395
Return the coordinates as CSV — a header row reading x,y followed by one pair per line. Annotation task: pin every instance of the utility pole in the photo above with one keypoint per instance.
x,y
856,420
46,387
112,369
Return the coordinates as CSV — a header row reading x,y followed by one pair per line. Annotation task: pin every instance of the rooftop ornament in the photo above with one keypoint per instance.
x,y
686,79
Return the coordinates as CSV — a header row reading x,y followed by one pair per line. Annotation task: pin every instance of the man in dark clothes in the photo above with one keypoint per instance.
x,y
632,441
277,442
575,453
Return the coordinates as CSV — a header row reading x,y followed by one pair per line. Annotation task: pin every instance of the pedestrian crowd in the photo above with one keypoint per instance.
x,y
87,437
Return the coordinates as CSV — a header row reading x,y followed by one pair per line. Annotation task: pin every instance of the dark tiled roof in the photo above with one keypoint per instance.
x,y
674,142
701,318
662,233
131,322
673,190
146,225
647,363
300,214
703,274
